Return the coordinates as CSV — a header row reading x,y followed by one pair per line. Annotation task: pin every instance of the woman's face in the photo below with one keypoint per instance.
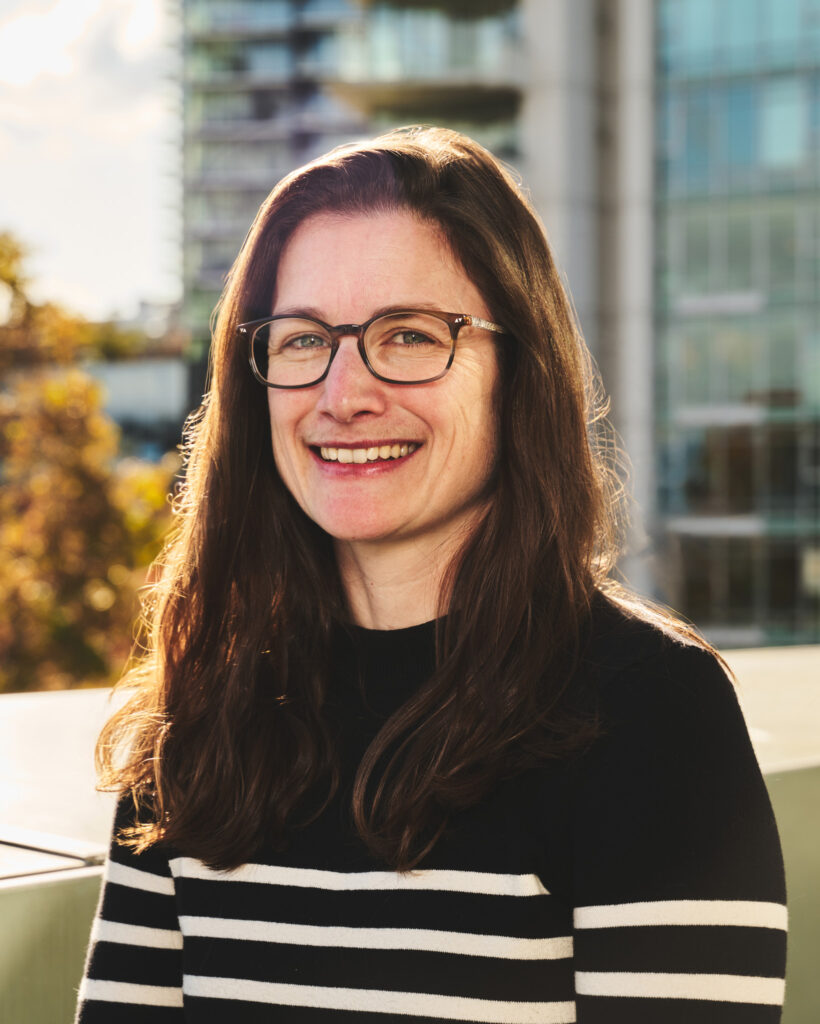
x,y
343,269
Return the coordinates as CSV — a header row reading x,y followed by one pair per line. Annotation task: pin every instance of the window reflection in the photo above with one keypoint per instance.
x,y
739,24
780,27
696,271
393,45
740,125
742,554
769,582
783,123
740,250
739,348
771,467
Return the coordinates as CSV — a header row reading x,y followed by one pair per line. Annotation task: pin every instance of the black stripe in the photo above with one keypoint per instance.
x,y
697,949
621,1010
152,862
99,1012
391,970
134,906
140,965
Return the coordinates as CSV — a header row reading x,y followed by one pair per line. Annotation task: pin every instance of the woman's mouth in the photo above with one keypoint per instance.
x,y
372,453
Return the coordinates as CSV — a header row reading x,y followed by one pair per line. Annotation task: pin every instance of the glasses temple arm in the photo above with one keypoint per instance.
x,y
476,321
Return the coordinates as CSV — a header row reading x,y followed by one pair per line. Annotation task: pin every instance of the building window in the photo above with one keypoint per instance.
x,y
781,28
740,250
739,27
740,133
742,559
783,123
697,272
695,345
698,138
784,376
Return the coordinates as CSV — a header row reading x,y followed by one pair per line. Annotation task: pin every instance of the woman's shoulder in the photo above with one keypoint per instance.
x,y
640,660
672,731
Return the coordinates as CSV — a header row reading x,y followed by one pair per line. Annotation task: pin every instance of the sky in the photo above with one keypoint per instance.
x,y
88,153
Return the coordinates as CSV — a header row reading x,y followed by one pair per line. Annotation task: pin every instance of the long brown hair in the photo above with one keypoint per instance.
x,y
225,738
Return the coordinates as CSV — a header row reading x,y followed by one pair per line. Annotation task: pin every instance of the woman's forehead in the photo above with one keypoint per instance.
x,y
358,262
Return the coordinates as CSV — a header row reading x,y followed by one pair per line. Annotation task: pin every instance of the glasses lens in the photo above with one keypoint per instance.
x,y
408,347
291,352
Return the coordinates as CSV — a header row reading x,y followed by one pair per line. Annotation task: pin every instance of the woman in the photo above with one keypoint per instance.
x,y
454,772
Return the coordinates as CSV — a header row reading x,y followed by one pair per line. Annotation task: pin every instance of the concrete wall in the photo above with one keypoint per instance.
x,y
558,139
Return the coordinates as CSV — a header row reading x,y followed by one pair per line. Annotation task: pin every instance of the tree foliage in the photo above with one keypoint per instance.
x,y
45,334
78,525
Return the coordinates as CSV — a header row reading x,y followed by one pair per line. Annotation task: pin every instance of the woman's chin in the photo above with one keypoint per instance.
x,y
359,533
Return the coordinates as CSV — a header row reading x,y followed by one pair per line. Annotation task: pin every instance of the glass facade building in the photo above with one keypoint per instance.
x,y
737,202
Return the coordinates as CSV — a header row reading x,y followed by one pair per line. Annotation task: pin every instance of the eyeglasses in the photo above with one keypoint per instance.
x,y
409,347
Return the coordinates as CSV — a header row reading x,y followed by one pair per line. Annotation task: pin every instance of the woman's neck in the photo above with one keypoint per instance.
x,y
391,586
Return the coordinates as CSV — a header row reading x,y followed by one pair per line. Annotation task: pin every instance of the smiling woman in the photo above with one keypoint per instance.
x,y
400,747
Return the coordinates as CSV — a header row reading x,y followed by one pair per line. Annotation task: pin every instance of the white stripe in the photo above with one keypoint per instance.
x,y
480,882
124,992
464,943
136,879
412,1004
727,988
136,935
744,913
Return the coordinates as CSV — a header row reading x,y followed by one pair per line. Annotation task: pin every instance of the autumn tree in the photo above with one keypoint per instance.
x,y
78,525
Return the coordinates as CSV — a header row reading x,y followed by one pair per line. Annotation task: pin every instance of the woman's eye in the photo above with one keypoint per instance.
x,y
413,338
305,341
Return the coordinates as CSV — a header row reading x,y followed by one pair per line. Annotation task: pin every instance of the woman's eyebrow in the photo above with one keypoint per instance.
x,y
394,307
310,311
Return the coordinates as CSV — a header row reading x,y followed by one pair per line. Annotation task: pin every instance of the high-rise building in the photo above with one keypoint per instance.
x,y
737,315
670,147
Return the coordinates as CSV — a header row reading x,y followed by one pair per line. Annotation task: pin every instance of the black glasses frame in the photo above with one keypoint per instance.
x,y
455,321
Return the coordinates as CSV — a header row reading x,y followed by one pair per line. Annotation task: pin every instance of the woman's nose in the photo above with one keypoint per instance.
x,y
350,389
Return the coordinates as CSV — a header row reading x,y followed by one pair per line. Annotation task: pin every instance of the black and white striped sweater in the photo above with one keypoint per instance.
x,y
640,882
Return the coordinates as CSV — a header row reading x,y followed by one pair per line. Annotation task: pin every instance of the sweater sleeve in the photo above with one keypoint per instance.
x,y
133,971
679,889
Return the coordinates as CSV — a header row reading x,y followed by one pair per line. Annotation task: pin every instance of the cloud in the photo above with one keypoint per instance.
x,y
141,31
41,43
85,152
51,41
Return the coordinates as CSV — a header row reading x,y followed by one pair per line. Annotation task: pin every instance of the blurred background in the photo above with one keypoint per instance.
x,y
672,149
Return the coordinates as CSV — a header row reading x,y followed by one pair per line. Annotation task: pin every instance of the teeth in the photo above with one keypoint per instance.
x,y
362,455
